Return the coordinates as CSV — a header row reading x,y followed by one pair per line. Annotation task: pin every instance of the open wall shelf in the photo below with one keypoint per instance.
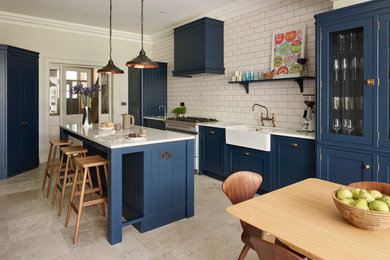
x,y
299,80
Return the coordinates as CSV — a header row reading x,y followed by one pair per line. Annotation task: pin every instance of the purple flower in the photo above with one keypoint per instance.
x,y
86,93
302,61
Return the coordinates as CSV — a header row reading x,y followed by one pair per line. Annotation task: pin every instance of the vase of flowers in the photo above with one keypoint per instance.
x,y
86,95
303,62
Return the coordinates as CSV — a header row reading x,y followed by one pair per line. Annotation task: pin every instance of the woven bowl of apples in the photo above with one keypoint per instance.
x,y
365,205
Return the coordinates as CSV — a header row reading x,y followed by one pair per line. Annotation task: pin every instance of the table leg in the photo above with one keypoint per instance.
x,y
114,188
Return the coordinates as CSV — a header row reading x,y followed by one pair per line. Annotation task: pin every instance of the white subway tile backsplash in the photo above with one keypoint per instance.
x,y
247,46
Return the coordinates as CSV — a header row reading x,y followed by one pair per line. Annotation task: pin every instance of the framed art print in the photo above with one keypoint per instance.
x,y
287,48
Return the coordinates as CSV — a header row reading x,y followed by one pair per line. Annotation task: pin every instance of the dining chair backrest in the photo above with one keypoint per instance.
x,y
268,251
382,187
241,186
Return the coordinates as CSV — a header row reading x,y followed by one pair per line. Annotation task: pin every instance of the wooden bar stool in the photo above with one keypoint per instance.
x,y
70,152
50,164
85,163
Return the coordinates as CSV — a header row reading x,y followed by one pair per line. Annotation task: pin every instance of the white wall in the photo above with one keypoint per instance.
x,y
343,3
247,40
72,48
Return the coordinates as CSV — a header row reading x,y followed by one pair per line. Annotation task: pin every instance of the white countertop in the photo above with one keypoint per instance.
x,y
281,131
119,140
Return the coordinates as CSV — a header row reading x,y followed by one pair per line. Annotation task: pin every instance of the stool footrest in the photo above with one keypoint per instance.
x,y
77,193
93,202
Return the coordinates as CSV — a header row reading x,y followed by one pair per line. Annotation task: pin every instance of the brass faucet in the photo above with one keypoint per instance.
x,y
266,118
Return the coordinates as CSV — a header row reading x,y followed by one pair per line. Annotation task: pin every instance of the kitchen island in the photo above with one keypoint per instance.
x,y
150,179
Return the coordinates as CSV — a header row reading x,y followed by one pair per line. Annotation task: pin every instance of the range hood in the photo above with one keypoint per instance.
x,y
199,48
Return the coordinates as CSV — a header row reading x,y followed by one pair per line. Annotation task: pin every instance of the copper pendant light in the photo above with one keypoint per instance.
x,y
110,68
142,61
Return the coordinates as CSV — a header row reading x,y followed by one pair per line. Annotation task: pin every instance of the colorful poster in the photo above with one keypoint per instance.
x,y
287,47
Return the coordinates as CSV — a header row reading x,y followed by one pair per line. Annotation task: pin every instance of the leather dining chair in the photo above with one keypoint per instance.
x,y
238,187
268,251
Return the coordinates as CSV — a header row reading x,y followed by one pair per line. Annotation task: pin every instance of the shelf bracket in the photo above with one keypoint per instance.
x,y
246,86
300,83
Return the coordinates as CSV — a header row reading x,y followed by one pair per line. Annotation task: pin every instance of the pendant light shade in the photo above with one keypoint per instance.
x,y
142,61
110,68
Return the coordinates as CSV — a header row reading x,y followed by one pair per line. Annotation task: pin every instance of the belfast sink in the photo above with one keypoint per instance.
x,y
250,136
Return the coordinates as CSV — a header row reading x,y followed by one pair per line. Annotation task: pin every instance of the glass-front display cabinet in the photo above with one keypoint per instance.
x,y
346,82
384,77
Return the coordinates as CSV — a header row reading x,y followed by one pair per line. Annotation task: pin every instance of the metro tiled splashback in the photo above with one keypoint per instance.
x,y
247,40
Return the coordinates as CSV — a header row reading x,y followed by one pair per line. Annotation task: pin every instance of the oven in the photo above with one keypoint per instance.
x,y
188,125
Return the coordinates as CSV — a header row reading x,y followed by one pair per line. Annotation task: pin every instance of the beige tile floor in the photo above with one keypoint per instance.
x,y
31,229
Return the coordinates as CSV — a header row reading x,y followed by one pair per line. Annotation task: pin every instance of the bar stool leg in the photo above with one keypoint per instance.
x,y
51,171
72,196
90,185
100,190
80,209
47,166
63,186
58,176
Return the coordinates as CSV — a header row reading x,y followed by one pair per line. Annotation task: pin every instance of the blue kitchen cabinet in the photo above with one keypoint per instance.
x,y
293,160
345,166
384,168
154,123
212,151
353,104
246,159
18,111
147,91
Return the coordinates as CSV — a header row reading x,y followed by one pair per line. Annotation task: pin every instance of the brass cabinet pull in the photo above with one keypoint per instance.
x,y
370,82
22,123
367,166
246,153
211,132
294,144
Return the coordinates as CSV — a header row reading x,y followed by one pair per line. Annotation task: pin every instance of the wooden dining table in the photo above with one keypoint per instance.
x,y
304,217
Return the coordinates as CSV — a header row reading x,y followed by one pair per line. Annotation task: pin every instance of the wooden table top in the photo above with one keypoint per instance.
x,y
304,217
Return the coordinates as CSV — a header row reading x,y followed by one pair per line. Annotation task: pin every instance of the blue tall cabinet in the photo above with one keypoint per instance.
x,y
353,99
18,110
147,92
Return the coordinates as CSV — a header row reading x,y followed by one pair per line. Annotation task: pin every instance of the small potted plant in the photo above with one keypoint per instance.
x,y
303,62
179,111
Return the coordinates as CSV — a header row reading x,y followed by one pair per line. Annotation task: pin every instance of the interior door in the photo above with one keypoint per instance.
x,y
384,77
71,105
105,103
346,95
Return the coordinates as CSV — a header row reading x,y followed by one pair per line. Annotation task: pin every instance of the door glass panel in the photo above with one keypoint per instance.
x,y
104,93
73,102
54,92
346,70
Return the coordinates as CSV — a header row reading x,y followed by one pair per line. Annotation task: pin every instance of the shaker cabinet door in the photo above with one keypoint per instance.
x,y
345,167
212,149
346,85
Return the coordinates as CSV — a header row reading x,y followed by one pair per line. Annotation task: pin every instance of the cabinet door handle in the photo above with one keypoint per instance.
x,y
294,144
26,123
211,132
246,153
370,82
22,123
367,166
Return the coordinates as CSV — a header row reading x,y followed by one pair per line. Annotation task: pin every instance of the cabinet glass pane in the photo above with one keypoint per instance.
x,y
346,69
54,79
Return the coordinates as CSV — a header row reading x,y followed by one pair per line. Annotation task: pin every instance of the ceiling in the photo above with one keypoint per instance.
x,y
158,14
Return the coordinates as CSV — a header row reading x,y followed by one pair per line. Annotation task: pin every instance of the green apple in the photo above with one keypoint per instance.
x,y
385,198
378,205
361,204
363,194
343,193
376,194
355,193
348,201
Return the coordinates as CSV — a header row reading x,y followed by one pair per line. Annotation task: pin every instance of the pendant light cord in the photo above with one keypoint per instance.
x,y
142,24
110,28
